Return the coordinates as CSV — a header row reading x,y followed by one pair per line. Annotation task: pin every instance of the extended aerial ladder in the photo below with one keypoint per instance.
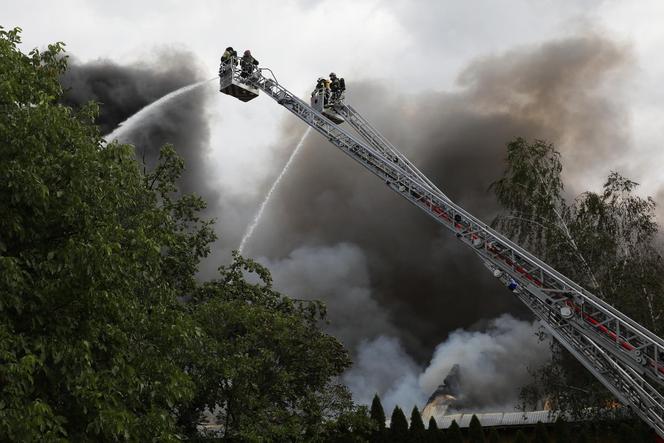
x,y
624,356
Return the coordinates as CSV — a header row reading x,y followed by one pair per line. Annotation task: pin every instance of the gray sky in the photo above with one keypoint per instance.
x,y
467,57
413,45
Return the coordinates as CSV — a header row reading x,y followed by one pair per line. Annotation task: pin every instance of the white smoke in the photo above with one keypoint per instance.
x,y
493,366
381,366
338,275
493,361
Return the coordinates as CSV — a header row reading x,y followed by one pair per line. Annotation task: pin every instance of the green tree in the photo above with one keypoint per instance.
x,y
377,415
263,363
433,433
350,426
417,432
475,432
454,434
493,436
90,267
604,241
105,332
398,425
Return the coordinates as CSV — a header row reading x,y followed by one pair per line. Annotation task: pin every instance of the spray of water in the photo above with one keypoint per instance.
x,y
126,125
250,229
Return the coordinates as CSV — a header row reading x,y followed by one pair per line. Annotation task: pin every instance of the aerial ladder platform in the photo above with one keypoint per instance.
x,y
624,356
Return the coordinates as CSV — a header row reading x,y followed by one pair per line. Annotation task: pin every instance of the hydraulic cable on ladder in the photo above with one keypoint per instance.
x,y
623,355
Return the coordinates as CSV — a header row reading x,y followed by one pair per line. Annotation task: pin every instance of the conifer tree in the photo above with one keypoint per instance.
x,y
417,432
454,434
398,425
377,417
377,413
433,433
475,432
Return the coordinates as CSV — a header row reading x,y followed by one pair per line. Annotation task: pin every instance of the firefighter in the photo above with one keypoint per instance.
x,y
229,54
229,57
248,63
327,91
322,84
337,86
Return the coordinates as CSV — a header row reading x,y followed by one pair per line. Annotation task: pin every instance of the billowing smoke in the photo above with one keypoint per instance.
x,y
123,90
430,288
382,366
493,356
491,363
426,281
338,275
396,285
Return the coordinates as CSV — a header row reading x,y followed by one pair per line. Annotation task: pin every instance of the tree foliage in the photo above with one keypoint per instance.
x,y
605,241
475,431
454,433
398,425
106,334
263,363
433,433
377,413
417,432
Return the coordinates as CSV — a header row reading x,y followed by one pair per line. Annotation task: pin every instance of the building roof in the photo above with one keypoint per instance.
x,y
493,419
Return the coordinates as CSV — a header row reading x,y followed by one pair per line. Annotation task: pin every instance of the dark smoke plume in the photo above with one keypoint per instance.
x,y
429,284
122,90
397,285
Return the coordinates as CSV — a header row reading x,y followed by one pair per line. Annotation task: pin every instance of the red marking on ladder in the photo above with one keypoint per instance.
x,y
587,317
612,335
